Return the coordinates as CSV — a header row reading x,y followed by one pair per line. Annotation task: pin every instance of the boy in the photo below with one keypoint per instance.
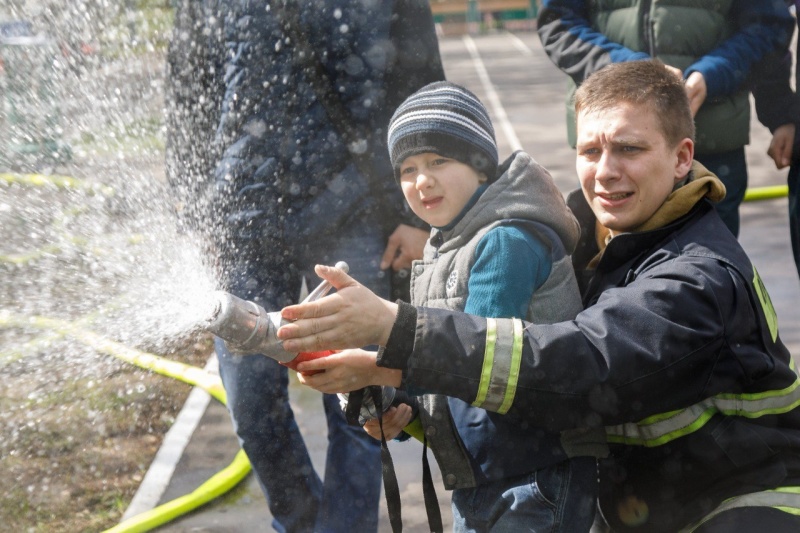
x,y
499,247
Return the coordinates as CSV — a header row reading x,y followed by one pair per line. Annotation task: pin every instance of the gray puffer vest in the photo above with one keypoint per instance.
x,y
524,196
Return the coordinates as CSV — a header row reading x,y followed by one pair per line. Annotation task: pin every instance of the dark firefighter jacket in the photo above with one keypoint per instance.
x,y
677,354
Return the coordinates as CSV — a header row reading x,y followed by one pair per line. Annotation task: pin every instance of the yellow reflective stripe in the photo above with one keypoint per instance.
x,y
790,510
786,499
501,366
501,363
488,361
766,305
662,428
513,374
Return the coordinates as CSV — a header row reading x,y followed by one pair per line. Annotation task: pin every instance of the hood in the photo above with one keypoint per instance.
x,y
524,190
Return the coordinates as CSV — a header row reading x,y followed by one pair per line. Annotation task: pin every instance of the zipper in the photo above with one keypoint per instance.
x,y
649,28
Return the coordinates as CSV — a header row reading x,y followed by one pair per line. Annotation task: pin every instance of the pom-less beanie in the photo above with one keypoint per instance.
x,y
446,119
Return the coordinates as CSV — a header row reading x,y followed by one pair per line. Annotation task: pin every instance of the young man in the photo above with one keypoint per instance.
x,y
677,352
499,247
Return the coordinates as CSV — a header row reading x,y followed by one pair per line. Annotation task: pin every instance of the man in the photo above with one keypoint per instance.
x,y
677,352
712,44
277,152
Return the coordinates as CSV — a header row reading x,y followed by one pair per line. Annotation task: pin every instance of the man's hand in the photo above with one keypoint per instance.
x,y
405,244
675,70
347,371
696,90
394,420
695,86
352,317
780,148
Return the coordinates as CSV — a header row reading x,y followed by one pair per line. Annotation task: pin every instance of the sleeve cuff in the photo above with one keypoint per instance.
x,y
398,348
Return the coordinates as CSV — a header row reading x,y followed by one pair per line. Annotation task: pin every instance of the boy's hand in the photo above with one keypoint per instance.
x,y
350,318
394,420
405,244
346,371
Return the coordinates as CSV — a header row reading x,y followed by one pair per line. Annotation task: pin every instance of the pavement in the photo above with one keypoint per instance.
x,y
525,96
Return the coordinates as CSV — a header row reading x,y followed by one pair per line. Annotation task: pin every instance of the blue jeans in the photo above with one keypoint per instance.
x,y
731,168
258,400
559,498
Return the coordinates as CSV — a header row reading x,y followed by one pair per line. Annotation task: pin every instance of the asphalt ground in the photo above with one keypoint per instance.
x,y
525,94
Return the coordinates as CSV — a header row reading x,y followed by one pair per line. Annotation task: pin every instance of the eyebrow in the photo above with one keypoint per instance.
x,y
636,141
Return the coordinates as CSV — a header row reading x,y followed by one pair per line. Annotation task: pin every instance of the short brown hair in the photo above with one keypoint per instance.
x,y
640,82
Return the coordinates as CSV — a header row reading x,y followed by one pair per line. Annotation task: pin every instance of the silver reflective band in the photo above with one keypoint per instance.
x,y
501,363
786,499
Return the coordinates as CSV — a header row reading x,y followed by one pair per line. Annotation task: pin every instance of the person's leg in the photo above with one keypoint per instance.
x,y
731,168
794,210
257,398
352,485
752,519
560,498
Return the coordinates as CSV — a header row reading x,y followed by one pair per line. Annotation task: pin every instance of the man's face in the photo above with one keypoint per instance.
x,y
626,166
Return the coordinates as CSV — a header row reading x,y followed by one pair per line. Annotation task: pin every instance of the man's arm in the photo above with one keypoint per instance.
x,y
573,45
579,50
777,105
763,28
618,361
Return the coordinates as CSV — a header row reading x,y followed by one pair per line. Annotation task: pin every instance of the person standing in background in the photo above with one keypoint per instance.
x,y
711,45
778,108
277,155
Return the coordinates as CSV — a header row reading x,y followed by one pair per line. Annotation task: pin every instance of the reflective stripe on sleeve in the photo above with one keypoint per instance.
x,y
663,428
501,363
786,499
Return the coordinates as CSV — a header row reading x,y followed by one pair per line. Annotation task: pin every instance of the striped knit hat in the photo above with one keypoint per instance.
x,y
445,119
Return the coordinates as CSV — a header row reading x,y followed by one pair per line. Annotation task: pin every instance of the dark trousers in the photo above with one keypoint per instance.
x,y
731,168
794,207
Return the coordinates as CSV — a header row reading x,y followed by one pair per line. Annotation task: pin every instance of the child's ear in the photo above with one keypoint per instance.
x,y
482,177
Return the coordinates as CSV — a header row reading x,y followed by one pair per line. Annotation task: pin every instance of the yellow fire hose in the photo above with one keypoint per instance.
x,y
56,181
217,485
766,193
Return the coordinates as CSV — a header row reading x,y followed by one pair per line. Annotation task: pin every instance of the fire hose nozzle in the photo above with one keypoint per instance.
x,y
247,328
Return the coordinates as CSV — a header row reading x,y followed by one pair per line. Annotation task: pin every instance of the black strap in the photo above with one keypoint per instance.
x,y
355,400
390,486
429,492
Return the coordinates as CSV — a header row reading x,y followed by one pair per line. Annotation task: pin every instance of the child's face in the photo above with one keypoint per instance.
x,y
437,188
